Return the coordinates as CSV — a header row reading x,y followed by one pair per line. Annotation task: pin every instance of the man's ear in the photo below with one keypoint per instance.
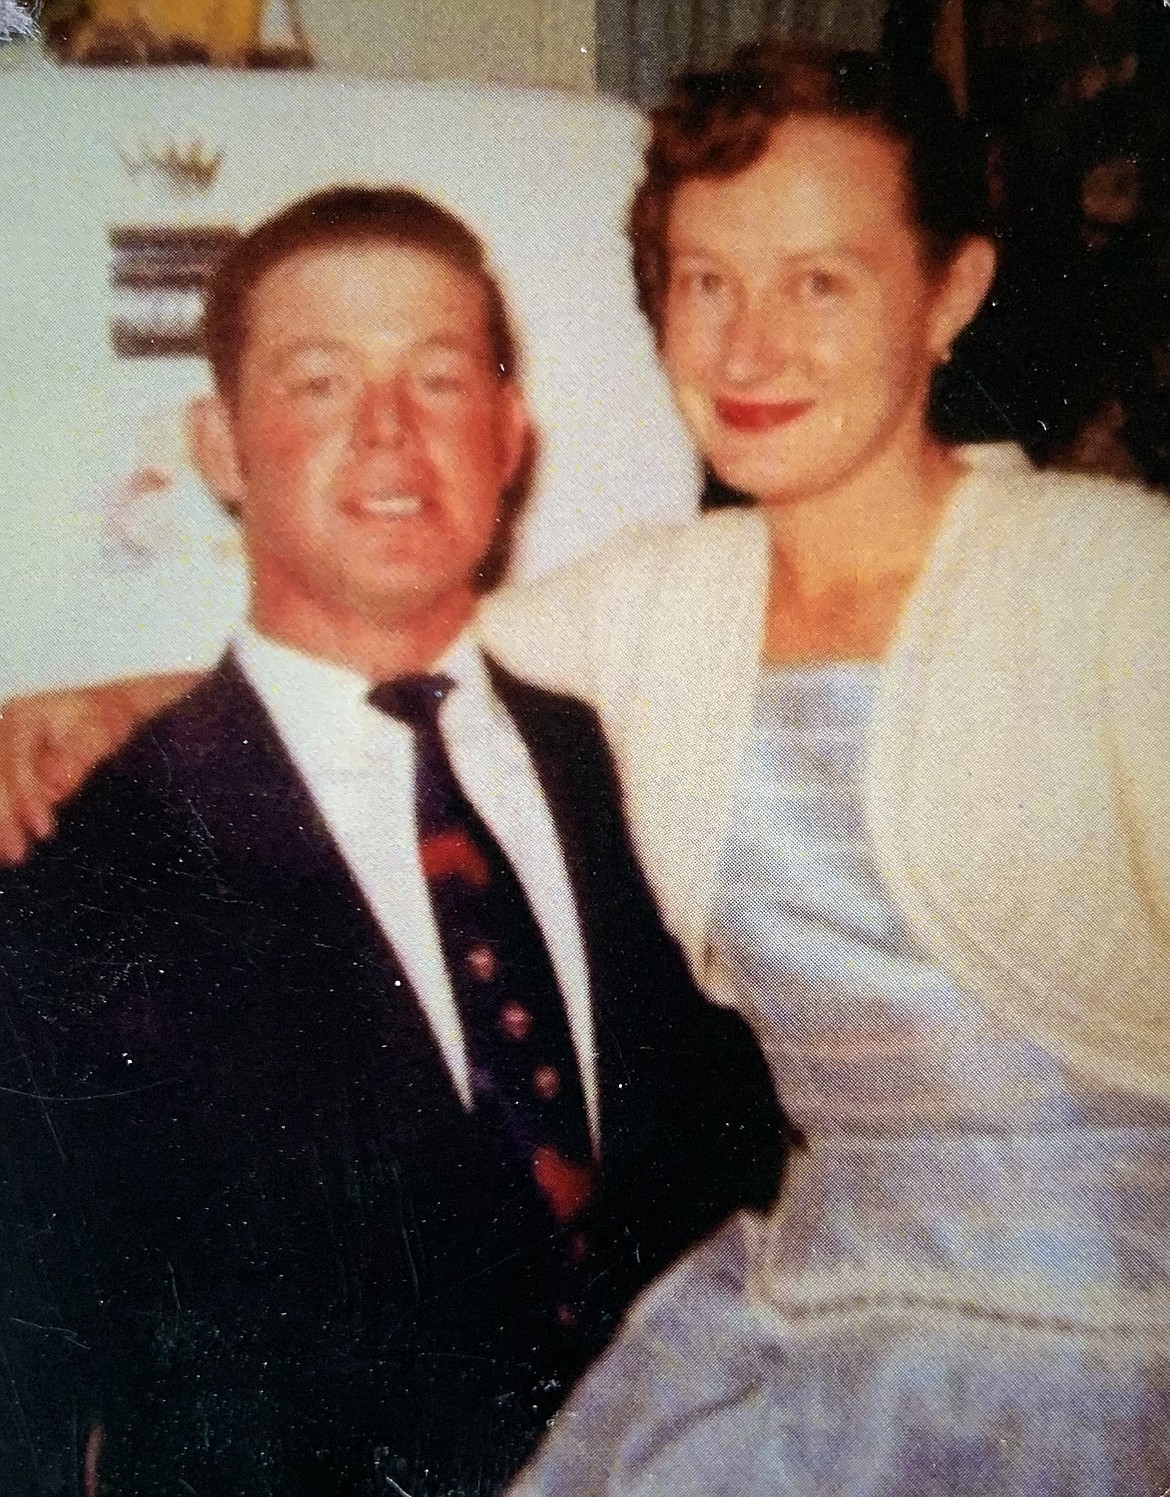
x,y
962,288
516,432
211,445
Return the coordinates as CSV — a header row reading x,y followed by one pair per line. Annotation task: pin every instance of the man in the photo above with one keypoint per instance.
x,y
352,1086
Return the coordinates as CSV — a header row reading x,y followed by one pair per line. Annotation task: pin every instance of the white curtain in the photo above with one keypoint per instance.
x,y
642,44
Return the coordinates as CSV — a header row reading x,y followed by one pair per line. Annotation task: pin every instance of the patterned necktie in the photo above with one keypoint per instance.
x,y
523,1065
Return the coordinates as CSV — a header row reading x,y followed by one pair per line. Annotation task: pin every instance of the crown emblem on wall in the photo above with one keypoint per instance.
x,y
187,169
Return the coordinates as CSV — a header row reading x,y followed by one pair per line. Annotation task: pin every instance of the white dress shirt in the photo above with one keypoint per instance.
x,y
358,764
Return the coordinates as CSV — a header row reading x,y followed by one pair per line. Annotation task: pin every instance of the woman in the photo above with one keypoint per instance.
x,y
894,747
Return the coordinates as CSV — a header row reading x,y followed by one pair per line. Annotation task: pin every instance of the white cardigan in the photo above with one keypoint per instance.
x,y
1018,765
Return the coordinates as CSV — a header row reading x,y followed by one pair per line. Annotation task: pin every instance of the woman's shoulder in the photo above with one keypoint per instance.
x,y
1062,518
719,533
590,625
637,562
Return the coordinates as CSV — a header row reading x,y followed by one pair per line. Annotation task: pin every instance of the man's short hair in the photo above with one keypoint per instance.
x,y
341,216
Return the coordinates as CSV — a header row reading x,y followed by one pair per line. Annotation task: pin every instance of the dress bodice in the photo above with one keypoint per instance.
x,y
937,1134
865,1034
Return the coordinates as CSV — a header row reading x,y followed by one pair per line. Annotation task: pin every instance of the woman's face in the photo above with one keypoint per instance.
x,y
801,326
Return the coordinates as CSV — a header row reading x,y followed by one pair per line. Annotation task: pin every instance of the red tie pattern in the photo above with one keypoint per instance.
x,y
523,1065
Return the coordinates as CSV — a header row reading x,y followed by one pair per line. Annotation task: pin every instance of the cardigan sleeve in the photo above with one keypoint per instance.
x,y
583,629
1139,698
1019,768
557,630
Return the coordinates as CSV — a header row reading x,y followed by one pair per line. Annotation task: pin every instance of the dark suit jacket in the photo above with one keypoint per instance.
x,y
248,1225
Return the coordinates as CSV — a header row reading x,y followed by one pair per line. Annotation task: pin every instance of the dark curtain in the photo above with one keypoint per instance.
x,y
1071,355
642,44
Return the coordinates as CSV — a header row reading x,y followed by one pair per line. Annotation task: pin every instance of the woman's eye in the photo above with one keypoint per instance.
x,y
697,282
823,284
707,283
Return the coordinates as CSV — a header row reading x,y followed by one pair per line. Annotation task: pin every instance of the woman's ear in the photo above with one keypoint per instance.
x,y
211,445
962,289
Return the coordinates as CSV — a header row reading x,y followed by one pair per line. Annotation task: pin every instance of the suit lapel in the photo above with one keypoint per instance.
x,y
246,789
244,786
254,804
626,947
568,753
273,843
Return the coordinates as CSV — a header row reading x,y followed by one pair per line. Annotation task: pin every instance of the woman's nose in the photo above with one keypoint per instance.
x,y
753,342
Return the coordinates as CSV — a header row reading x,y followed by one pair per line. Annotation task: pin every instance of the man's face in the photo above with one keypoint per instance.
x,y
370,439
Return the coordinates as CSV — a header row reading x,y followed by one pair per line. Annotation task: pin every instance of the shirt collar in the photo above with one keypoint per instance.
x,y
317,699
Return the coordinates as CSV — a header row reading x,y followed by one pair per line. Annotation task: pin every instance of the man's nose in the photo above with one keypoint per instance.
x,y
383,416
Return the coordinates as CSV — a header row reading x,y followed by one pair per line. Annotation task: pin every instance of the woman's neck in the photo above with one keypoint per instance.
x,y
844,563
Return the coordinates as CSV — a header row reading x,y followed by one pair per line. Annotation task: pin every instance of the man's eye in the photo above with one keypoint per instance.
x,y
316,386
445,383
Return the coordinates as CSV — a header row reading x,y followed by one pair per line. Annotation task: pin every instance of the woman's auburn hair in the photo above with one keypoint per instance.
x,y
716,124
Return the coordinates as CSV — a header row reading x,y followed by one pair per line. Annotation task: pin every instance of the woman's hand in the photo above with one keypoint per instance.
x,y
51,741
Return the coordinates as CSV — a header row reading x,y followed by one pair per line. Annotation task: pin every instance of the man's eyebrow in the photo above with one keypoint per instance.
x,y
453,342
290,351
449,343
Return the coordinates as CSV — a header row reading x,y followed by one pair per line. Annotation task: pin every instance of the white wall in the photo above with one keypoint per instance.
x,y
111,557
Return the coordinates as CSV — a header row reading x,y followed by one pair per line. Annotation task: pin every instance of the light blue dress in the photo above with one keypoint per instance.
x,y
966,1290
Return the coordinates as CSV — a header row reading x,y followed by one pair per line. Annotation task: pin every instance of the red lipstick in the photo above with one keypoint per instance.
x,y
759,415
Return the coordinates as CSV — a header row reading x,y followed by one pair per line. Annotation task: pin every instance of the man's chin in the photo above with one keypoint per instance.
x,y
413,595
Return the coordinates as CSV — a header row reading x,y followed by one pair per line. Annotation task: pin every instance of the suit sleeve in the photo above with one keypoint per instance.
x,y
46,1393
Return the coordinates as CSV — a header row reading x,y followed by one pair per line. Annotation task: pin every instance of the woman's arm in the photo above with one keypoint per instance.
x,y
49,742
